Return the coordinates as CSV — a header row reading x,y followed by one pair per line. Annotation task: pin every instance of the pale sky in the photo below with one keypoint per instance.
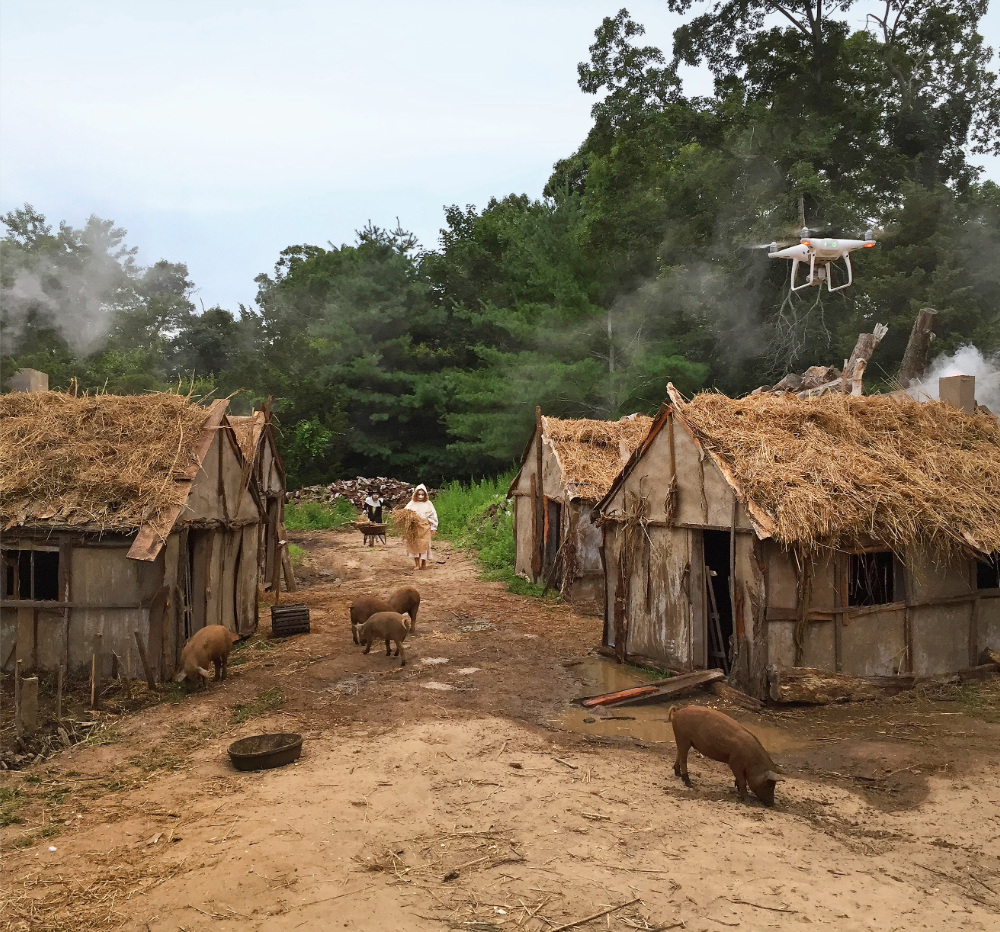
x,y
217,133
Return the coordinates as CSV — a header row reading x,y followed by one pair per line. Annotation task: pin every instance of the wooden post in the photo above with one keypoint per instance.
x,y
60,673
29,706
863,349
95,674
539,502
150,679
838,601
17,699
286,566
914,363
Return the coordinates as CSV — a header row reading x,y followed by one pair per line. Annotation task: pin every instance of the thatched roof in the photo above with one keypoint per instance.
x,y
105,462
591,453
840,470
248,430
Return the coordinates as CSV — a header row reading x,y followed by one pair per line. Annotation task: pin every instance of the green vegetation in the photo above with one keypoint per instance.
x,y
296,554
10,801
267,701
317,516
628,268
476,517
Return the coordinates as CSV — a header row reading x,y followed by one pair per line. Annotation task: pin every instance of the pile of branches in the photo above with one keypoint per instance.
x,y
393,492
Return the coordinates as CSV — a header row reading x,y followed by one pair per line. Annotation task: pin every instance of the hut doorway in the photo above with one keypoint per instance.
x,y
553,539
195,585
718,624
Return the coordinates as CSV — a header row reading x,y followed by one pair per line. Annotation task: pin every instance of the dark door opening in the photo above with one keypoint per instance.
x,y
717,571
553,539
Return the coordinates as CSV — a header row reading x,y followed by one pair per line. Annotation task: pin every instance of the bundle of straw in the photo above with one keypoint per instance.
x,y
416,530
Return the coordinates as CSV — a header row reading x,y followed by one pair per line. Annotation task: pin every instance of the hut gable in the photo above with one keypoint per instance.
x,y
582,457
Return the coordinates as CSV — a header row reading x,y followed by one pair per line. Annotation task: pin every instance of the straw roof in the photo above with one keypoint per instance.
x,y
105,462
843,470
248,430
591,453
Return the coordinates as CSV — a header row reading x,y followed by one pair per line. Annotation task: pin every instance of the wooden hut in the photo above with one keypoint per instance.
x,y
122,514
255,434
566,468
858,535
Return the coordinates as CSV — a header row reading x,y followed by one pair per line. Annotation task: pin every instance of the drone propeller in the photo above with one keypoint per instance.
x,y
773,245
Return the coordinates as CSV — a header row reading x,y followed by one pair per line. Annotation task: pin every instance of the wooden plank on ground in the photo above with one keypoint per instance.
x,y
660,689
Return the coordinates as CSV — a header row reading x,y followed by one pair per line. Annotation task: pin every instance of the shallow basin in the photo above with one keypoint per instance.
x,y
261,752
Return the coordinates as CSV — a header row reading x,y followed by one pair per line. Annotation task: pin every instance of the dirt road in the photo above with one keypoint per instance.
x,y
464,792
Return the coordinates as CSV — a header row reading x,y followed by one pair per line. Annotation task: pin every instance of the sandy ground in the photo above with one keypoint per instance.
x,y
464,791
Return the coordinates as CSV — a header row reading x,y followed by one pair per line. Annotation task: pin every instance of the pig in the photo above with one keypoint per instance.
x,y
721,738
209,645
406,601
388,625
363,607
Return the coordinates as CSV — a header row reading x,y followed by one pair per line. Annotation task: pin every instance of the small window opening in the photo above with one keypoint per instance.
x,y
31,575
988,572
872,579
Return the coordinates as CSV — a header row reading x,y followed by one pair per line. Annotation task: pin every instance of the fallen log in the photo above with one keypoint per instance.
x,y
735,696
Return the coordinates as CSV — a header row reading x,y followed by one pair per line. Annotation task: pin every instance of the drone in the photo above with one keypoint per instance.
x,y
821,255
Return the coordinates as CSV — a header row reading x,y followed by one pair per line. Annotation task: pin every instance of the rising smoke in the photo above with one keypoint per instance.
x,y
966,360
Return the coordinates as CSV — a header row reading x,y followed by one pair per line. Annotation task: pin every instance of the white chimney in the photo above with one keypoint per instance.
x,y
29,380
959,391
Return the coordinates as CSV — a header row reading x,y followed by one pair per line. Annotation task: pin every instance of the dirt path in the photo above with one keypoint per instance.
x,y
463,791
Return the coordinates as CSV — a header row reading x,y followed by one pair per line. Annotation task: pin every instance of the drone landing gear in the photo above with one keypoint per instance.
x,y
824,272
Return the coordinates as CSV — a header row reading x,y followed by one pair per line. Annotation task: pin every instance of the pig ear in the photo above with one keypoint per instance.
x,y
205,673
180,676
774,777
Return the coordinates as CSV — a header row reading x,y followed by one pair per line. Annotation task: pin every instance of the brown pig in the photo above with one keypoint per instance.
x,y
406,601
363,607
210,645
390,626
721,738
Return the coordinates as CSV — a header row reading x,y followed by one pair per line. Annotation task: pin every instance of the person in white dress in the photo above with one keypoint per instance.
x,y
418,544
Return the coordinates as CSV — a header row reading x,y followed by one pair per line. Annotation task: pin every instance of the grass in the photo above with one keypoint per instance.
x,y
477,518
318,516
296,554
267,701
10,801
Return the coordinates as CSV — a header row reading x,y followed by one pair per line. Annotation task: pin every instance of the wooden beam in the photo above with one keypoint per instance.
x,y
144,660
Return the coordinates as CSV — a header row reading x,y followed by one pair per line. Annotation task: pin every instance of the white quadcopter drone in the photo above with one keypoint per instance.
x,y
821,255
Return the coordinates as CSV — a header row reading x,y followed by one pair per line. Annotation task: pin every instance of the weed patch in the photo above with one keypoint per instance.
x,y
10,801
478,518
267,701
318,516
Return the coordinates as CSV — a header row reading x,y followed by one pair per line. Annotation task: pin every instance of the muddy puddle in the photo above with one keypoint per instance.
x,y
648,723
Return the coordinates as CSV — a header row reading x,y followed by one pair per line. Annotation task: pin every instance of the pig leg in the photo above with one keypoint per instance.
x,y
387,646
225,666
368,646
741,785
681,763
354,633
402,654
218,669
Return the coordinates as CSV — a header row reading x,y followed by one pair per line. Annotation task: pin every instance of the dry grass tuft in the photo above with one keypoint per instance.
x,y
102,461
592,453
844,471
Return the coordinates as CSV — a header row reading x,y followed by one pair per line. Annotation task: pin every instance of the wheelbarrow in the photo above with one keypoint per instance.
x,y
372,533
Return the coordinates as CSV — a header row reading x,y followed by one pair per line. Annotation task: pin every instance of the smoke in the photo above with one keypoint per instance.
x,y
966,360
78,302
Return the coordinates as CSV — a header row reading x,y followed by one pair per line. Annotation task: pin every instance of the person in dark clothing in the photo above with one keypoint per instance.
x,y
373,508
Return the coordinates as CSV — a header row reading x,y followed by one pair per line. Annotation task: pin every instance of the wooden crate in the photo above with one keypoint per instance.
x,y
287,620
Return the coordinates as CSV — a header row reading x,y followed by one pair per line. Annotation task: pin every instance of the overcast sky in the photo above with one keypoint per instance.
x,y
217,133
